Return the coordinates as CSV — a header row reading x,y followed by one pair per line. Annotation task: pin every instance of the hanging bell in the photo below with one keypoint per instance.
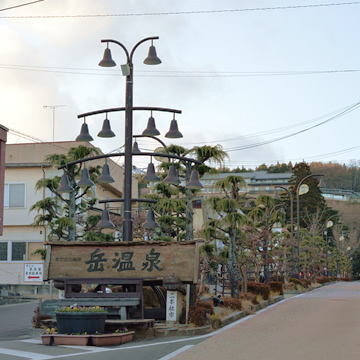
x,y
105,221
172,178
106,131
173,133
150,222
321,183
85,180
65,186
248,205
107,60
150,174
152,58
194,182
84,133
151,129
276,195
135,149
105,177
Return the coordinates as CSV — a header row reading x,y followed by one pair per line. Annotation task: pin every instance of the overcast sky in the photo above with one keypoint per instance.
x,y
240,76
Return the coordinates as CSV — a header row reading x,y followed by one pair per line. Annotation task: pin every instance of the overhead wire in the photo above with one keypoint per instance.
x,y
176,73
192,12
21,5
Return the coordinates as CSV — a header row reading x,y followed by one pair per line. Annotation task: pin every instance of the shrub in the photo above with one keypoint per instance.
x,y
231,303
208,305
305,283
277,286
248,296
197,315
37,318
259,289
215,321
290,286
295,281
322,279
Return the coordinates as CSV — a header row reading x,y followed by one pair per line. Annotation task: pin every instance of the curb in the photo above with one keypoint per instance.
x,y
202,330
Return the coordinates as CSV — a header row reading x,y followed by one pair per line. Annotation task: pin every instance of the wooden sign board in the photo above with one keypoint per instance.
x,y
146,260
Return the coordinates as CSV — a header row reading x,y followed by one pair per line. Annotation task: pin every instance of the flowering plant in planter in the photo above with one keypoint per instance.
x,y
50,331
77,308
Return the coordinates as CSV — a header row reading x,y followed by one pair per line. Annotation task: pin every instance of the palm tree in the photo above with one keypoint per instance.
x,y
62,219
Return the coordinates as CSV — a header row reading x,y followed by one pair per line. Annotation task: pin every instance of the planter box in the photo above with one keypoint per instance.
x,y
78,322
81,340
127,337
47,339
107,339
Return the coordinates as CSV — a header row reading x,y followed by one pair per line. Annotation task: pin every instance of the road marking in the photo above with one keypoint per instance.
x,y
177,352
24,354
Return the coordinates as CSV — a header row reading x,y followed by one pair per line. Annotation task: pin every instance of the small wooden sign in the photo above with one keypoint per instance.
x,y
146,260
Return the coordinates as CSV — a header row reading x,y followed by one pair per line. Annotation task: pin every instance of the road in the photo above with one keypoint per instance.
x,y
321,324
16,320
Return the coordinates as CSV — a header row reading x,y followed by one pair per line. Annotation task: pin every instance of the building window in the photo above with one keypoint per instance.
x,y
3,251
14,195
18,251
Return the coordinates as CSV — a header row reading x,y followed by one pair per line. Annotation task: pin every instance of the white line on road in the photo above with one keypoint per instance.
x,y
24,354
177,352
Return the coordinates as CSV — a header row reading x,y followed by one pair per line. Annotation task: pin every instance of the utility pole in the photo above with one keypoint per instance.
x,y
53,107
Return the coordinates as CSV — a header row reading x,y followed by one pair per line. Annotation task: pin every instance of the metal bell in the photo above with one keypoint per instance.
x,y
65,186
173,133
105,221
84,133
172,178
150,222
152,58
276,195
150,174
107,60
135,149
194,182
151,129
321,183
106,131
105,177
85,180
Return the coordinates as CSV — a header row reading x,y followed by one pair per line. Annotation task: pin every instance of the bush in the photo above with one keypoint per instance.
x,y
259,289
231,303
197,315
305,283
250,297
322,279
295,281
346,279
37,318
277,286
208,305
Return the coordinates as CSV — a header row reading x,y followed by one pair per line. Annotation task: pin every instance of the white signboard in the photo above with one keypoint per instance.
x,y
33,272
171,305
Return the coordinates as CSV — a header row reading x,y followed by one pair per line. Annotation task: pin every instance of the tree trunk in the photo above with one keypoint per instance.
x,y
72,205
243,270
233,271
189,226
192,295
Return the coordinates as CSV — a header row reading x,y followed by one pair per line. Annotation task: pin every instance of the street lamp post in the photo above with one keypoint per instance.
x,y
291,222
298,217
129,70
129,152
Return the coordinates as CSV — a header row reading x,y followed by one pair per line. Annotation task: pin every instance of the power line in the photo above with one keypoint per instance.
x,y
173,73
194,12
245,147
17,6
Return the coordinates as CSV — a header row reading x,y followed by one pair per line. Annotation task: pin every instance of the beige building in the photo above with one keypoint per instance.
x,y
24,166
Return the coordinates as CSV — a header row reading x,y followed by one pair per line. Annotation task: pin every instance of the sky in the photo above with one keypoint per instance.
x,y
269,80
